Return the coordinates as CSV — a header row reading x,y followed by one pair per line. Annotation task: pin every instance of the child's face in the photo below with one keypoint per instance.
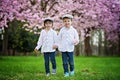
x,y
67,22
48,24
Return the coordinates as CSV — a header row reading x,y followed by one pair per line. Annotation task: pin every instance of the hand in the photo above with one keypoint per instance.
x,y
55,46
75,42
36,51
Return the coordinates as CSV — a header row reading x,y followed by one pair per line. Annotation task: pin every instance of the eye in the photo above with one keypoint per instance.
x,y
64,20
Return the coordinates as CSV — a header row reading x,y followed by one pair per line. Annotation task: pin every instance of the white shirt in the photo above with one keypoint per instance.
x,y
67,37
47,40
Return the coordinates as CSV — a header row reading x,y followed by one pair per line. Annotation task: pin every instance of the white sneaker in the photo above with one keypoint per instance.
x,y
72,73
66,74
54,71
48,74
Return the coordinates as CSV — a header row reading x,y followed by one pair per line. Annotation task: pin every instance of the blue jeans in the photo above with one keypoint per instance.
x,y
49,56
67,58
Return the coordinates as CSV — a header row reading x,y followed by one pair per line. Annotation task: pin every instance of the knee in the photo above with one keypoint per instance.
x,y
71,63
46,62
53,62
65,63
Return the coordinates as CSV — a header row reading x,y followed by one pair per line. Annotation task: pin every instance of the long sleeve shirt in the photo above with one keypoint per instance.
x,y
47,40
67,38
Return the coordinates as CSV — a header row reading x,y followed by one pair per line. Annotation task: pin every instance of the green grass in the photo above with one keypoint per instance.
x,y
86,68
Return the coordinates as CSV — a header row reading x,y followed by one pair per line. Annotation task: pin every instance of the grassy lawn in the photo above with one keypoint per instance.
x,y
86,68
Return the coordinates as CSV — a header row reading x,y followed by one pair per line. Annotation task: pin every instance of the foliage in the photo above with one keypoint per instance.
x,y
100,14
20,39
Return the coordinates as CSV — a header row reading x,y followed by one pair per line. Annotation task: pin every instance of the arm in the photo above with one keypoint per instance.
x,y
58,39
76,38
60,36
39,43
55,40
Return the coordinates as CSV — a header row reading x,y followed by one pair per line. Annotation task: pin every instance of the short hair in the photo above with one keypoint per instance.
x,y
49,21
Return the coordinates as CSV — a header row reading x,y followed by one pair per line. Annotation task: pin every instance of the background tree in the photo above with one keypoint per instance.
x,y
88,14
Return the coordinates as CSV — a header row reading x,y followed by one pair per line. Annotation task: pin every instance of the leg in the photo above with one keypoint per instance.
x,y
46,61
65,61
71,60
53,61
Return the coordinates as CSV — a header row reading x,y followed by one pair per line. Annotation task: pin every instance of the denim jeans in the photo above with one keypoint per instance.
x,y
49,56
67,58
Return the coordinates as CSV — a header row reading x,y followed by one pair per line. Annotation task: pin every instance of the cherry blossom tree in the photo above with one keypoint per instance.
x,y
88,15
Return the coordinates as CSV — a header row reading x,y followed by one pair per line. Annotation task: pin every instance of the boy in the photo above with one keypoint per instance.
x,y
47,41
68,37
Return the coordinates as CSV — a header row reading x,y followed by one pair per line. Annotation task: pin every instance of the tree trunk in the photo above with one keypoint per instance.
x,y
13,53
88,51
5,43
77,50
105,46
118,52
100,44
1,41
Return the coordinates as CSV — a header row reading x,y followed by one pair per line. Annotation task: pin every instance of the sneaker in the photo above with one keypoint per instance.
x,y
72,73
54,71
66,74
48,74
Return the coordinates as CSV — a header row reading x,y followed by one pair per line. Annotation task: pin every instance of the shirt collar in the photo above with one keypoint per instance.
x,y
69,27
49,30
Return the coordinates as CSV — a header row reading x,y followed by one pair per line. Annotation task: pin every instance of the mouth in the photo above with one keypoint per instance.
x,y
67,24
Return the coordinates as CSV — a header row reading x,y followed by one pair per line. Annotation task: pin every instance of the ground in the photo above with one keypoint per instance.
x,y
32,68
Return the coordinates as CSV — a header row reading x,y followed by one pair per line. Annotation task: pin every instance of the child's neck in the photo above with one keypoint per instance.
x,y
47,28
68,27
